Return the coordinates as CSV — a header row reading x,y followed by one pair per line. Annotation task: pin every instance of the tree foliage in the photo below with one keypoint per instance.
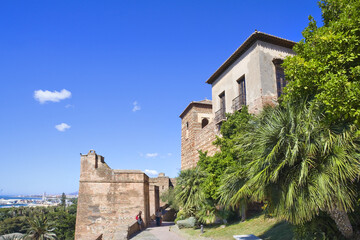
x,y
40,228
17,220
63,200
13,225
326,67
189,195
302,164
215,166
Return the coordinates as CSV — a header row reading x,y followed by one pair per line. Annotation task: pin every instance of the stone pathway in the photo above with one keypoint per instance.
x,y
154,232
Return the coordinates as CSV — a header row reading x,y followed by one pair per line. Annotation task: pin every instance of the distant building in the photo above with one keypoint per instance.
x,y
44,199
251,76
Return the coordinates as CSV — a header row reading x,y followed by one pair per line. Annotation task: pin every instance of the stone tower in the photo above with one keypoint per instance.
x,y
109,200
197,132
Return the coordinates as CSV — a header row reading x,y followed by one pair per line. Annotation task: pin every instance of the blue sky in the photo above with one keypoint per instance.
x,y
129,68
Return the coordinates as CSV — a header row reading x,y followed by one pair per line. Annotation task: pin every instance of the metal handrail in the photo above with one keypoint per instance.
x,y
220,115
238,102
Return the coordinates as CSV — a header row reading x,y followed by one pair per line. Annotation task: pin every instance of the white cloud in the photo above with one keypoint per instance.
x,y
152,154
136,106
62,127
169,154
48,96
151,172
69,106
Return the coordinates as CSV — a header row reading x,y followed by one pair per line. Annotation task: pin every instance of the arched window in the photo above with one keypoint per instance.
x,y
204,122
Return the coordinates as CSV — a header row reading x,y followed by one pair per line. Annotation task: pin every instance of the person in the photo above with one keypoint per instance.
x,y
158,217
139,220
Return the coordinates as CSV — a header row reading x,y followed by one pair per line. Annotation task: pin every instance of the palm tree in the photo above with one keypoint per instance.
x,y
40,229
301,165
188,190
233,180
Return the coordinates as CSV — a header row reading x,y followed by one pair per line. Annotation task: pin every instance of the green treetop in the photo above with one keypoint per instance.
x,y
327,65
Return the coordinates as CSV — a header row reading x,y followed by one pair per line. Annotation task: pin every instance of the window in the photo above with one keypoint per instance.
x,y
222,101
242,90
240,100
204,122
280,76
220,114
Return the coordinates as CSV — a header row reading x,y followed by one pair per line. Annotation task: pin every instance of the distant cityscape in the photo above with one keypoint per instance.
x,y
7,201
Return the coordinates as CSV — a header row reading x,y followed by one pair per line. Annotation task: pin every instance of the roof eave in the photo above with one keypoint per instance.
x,y
245,46
191,105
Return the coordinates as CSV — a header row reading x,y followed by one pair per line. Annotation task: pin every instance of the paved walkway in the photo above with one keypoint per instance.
x,y
158,233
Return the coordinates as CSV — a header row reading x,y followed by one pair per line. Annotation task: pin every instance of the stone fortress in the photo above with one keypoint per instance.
x,y
110,199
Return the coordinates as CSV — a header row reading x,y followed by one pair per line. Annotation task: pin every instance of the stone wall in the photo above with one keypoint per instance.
x,y
134,228
154,199
109,200
205,138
